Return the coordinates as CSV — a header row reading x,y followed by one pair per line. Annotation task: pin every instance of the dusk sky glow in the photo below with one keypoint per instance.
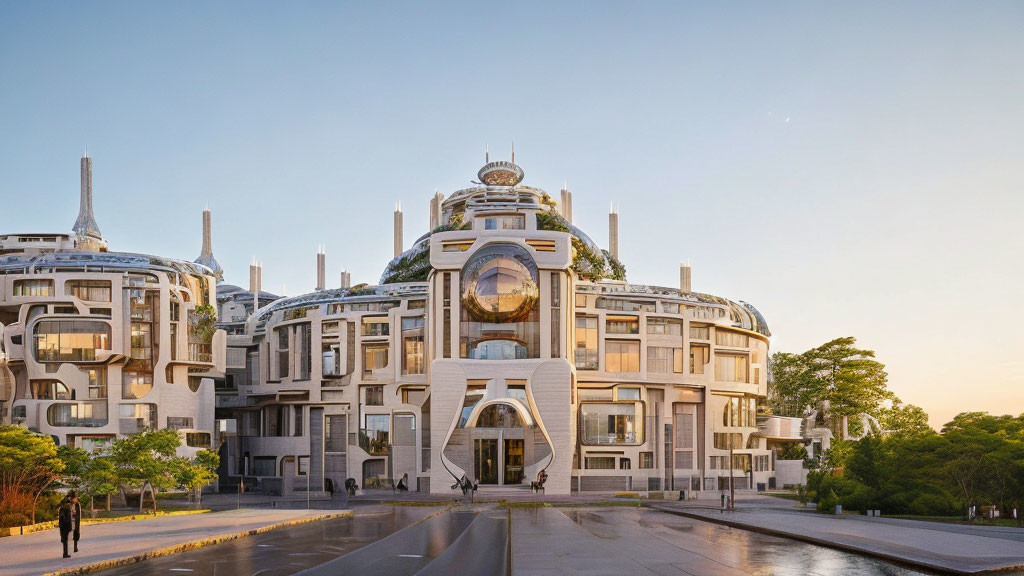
x,y
849,169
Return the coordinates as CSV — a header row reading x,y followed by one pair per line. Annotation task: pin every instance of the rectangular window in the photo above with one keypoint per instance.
x,y
414,396
647,460
97,383
505,222
302,465
413,350
732,339
581,300
611,423
598,394
297,420
628,394
334,433
198,439
599,462
374,395
622,325
446,301
70,340
556,315
179,422
740,412
663,360
699,356
34,287
375,434
374,326
670,307
725,441
88,290
282,353
677,360
621,356
624,464
698,332
375,357
303,354
666,326
586,343
730,367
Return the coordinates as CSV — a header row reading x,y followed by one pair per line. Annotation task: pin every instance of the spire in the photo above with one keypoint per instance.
x,y
513,151
86,224
398,229
206,254
487,153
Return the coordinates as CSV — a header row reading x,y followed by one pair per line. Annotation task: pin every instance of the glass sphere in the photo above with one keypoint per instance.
x,y
500,284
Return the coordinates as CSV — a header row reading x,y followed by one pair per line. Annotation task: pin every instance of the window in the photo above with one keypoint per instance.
x,y
670,307
97,383
297,421
417,305
500,317
374,326
624,464
331,328
730,368
375,357
628,393
70,340
611,423
698,332
664,360
135,383
446,301
330,361
198,439
413,352
518,391
33,287
581,300
88,290
599,462
505,222
136,417
374,395
729,338
621,356
179,422
586,343
414,396
50,390
725,441
699,356
282,352
665,326
302,465
374,437
264,466
499,416
740,412
624,305
334,433
597,394
556,315
647,460
622,325
82,414
303,354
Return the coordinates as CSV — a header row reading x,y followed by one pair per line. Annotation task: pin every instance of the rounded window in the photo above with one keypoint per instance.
x,y
500,284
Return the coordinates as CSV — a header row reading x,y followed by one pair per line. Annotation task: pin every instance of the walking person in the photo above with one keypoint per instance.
x,y
64,523
76,518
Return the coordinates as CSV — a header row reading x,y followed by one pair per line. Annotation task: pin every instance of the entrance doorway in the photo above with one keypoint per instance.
x,y
498,461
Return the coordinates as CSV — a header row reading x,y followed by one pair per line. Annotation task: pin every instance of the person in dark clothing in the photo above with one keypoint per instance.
x,y
76,518
65,523
403,483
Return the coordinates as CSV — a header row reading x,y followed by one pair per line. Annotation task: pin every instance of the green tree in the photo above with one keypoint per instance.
x,y
848,378
789,390
196,472
100,479
903,419
28,466
145,460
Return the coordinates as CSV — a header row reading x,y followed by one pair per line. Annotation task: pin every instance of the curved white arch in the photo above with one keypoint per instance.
x,y
523,411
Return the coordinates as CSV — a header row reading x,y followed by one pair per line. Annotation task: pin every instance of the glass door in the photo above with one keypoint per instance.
x,y
485,460
513,462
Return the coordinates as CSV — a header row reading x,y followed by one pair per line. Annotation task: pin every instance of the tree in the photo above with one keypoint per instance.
x,y
100,479
145,460
28,466
848,378
789,390
197,472
904,419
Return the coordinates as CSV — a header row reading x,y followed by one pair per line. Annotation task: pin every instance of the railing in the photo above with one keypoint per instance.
x,y
200,352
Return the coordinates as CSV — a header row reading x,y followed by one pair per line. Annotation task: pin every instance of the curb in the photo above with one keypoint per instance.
x,y
900,560
52,524
186,546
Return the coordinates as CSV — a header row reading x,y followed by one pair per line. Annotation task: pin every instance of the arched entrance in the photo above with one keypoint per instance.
x,y
499,445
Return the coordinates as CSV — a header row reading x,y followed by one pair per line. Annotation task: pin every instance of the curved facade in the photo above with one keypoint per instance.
x,y
96,344
503,343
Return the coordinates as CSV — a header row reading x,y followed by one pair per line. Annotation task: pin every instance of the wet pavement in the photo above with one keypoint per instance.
x,y
285,551
638,541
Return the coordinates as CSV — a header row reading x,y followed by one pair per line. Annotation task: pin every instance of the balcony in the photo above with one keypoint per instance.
x,y
200,352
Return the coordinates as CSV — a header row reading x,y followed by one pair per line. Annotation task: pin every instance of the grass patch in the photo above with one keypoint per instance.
x,y
421,502
530,504
602,504
957,520
784,495
632,495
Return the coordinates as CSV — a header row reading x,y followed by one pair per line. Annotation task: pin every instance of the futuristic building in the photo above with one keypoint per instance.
x,y
96,344
502,343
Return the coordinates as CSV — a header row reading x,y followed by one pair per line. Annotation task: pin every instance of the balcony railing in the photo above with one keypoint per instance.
x,y
199,352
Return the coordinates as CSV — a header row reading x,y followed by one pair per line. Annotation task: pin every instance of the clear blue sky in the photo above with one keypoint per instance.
x,y
849,169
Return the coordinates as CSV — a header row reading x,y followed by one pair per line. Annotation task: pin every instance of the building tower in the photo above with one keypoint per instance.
x,y
346,279
255,282
87,231
398,229
206,254
435,210
613,232
321,269
566,203
684,277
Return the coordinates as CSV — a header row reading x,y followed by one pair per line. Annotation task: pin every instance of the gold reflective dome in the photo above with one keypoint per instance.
x,y
498,287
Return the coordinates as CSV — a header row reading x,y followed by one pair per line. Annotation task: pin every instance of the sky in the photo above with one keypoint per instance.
x,y
851,169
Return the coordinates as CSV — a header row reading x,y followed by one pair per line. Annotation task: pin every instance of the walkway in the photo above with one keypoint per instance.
x,y
40,553
942,547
